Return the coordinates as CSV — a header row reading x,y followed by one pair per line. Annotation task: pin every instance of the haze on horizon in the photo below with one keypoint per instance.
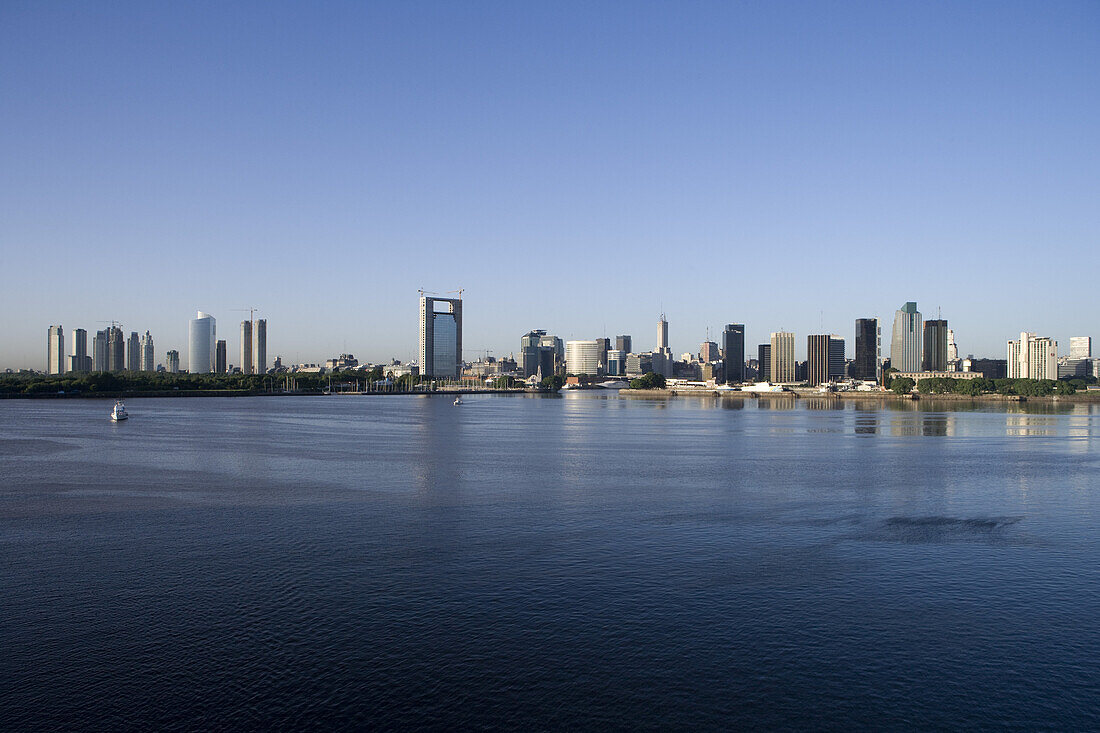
x,y
578,167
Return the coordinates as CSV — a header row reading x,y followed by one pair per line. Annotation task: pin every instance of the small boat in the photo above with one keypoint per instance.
x,y
458,401
118,412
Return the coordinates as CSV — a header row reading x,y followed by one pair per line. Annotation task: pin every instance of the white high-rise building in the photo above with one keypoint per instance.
x,y
782,357
202,338
440,351
1080,347
246,347
906,345
148,356
582,357
1032,357
259,353
55,351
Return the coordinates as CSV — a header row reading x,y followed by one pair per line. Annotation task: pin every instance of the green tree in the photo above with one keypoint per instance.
x,y
649,380
902,385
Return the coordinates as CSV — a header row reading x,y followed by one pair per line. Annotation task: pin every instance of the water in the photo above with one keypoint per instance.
x,y
548,563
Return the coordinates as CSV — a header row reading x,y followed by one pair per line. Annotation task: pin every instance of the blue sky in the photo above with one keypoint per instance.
x,y
578,167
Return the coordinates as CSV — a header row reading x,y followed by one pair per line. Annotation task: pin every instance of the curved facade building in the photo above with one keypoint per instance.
x,y
582,357
202,338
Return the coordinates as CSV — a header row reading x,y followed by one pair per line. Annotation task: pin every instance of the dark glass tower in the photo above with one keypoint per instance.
x,y
733,352
935,346
865,365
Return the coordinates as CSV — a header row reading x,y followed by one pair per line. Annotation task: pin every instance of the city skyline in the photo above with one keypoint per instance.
x,y
940,154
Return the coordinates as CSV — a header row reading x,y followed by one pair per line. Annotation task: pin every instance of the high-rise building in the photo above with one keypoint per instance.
x,y
259,353
116,349
148,353
440,337
836,358
868,343
1080,347
530,352
662,332
952,347
825,359
55,350
764,360
582,357
935,346
605,346
246,347
220,358
99,352
622,343
905,344
202,339
616,362
782,357
733,352
79,361
708,351
1032,357
173,359
133,353
557,345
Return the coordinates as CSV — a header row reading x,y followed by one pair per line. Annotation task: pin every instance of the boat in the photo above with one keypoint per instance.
x,y
458,400
118,412
726,388
613,384
763,387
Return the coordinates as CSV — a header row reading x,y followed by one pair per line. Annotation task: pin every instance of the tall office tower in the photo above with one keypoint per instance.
x,y
1080,347
259,353
246,347
440,337
935,346
582,357
817,359
148,354
79,360
764,359
530,352
905,344
99,352
605,346
116,349
1032,357
868,343
952,347
202,335
836,357
220,366
558,346
55,350
733,351
616,362
708,351
622,343
133,353
782,357
662,333
173,359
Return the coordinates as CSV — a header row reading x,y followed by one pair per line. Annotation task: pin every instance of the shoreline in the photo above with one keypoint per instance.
x,y
879,396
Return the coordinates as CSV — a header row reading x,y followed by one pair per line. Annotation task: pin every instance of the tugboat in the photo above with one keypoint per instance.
x,y
118,413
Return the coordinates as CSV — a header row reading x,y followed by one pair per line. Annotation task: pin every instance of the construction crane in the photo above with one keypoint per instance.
x,y
251,312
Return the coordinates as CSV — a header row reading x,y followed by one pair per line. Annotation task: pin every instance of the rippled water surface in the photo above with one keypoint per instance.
x,y
574,562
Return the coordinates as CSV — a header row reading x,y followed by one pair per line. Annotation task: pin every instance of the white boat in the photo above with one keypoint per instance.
x,y
726,388
763,387
118,412
458,400
614,384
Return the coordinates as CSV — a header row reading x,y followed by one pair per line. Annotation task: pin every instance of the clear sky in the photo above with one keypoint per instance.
x,y
577,167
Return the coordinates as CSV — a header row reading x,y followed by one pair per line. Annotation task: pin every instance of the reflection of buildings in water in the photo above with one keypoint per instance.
x,y
931,424
937,424
1024,424
823,403
776,403
731,403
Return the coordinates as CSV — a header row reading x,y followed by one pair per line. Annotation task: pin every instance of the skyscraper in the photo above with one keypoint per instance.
x,y
55,350
582,357
764,361
733,351
202,337
440,337
905,343
133,353
246,347
868,342
782,357
935,346
1080,347
622,343
825,359
952,347
662,333
708,351
220,366
148,354
79,360
260,352
1032,357
116,349
99,352
836,357
173,361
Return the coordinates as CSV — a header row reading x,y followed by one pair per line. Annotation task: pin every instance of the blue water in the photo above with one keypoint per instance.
x,y
548,563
